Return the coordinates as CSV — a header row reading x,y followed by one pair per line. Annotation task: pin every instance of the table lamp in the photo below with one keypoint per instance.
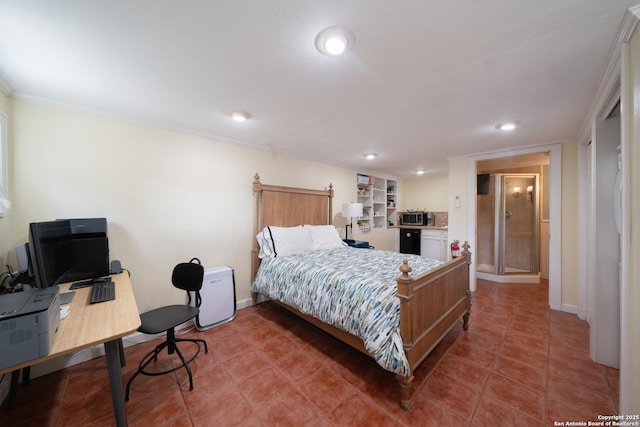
x,y
350,210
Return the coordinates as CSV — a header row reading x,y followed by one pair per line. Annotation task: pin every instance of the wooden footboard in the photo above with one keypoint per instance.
x,y
430,305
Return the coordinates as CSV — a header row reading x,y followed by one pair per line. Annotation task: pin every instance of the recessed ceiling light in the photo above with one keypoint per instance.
x,y
419,171
508,125
334,41
240,115
370,156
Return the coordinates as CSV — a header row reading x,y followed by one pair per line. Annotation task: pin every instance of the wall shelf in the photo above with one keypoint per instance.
x,y
379,201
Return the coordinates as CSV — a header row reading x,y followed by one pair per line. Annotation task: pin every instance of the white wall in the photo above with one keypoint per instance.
x,y
430,193
167,196
569,226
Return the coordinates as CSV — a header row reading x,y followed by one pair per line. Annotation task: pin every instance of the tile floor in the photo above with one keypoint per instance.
x,y
518,364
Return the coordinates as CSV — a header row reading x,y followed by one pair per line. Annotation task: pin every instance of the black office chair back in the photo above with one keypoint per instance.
x,y
188,277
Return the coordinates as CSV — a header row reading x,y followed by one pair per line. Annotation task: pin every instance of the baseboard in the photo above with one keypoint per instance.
x,y
570,309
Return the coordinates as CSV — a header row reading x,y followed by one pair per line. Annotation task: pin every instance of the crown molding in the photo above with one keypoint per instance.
x,y
5,87
608,90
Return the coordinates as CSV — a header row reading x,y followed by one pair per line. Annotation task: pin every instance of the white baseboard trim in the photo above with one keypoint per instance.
x,y
570,309
509,278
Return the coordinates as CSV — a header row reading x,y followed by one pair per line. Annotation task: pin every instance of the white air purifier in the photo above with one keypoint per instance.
x,y
218,293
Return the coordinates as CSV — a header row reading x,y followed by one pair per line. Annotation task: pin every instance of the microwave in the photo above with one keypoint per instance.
x,y
417,218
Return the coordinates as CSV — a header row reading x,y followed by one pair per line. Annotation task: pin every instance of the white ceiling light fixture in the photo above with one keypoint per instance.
x,y
240,115
370,156
334,41
419,171
508,125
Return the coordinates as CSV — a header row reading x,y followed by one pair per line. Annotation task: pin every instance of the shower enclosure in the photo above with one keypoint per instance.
x,y
507,230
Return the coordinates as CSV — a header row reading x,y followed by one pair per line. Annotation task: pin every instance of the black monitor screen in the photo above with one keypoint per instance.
x,y
59,255
52,251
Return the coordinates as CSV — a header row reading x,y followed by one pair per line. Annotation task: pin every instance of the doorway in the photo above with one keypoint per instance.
x,y
508,228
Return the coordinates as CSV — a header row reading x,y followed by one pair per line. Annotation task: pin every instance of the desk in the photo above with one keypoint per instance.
x,y
91,324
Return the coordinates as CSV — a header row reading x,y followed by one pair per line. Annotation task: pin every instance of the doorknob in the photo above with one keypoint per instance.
x,y
508,214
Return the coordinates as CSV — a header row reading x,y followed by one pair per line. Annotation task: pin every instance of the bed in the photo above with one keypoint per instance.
x,y
425,304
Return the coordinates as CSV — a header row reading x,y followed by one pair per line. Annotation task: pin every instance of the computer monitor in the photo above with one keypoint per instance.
x,y
52,252
68,250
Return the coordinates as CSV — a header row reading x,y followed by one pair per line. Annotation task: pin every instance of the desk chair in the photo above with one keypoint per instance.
x,y
186,276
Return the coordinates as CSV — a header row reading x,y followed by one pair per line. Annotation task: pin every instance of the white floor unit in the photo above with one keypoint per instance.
x,y
218,298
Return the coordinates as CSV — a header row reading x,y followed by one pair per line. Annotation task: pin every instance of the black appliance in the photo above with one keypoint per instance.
x,y
410,241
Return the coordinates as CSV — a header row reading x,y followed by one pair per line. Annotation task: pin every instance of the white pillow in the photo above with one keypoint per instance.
x,y
264,243
282,241
325,237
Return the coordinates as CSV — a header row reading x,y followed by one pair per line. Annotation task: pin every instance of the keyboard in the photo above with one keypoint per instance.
x,y
102,291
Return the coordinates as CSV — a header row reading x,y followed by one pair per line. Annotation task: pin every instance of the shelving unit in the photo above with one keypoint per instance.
x,y
379,202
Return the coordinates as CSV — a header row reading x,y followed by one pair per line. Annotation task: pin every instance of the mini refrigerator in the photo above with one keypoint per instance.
x,y
218,293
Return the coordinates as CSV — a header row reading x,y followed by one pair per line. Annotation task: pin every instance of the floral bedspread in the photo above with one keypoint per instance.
x,y
352,289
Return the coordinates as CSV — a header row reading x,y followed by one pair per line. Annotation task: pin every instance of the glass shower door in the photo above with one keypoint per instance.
x,y
519,231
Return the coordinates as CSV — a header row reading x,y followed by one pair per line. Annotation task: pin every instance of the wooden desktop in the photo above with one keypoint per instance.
x,y
87,325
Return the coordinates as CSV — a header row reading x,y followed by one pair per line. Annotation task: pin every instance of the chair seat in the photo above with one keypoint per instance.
x,y
164,318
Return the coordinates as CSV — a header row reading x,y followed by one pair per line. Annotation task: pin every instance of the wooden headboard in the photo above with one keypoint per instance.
x,y
287,207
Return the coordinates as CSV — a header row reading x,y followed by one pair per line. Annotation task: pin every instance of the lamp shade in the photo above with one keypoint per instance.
x,y
351,210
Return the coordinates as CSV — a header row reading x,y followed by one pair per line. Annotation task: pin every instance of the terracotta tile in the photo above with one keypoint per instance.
x,y
613,378
577,342
246,366
227,330
157,408
356,411
528,375
493,412
537,327
559,411
474,353
230,347
298,365
325,389
586,373
37,402
449,393
463,370
256,336
208,383
575,395
522,353
497,322
515,395
430,414
225,406
290,408
479,335
535,343
276,348
80,408
383,389
265,388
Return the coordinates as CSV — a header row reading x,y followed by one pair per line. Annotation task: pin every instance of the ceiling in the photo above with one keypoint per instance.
x,y
425,81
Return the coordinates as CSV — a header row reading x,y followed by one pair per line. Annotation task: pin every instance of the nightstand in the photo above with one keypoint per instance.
x,y
358,244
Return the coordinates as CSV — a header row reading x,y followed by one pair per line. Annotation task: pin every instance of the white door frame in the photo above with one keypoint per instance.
x,y
555,212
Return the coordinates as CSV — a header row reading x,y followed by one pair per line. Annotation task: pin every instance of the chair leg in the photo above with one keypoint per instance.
x,y
186,366
143,364
172,347
195,340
